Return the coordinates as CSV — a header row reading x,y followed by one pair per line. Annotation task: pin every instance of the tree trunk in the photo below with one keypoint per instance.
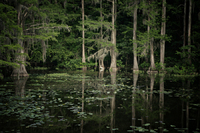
x,y
101,63
184,27
189,31
101,16
83,36
43,51
153,67
21,70
146,49
113,66
20,59
163,29
135,63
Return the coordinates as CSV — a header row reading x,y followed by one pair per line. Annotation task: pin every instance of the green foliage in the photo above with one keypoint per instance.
x,y
90,64
8,44
170,61
120,64
61,26
183,66
36,53
73,64
182,69
144,65
185,54
159,66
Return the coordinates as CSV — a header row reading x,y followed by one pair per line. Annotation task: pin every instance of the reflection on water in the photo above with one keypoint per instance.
x,y
83,89
20,86
135,79
112,101
161,103
85,102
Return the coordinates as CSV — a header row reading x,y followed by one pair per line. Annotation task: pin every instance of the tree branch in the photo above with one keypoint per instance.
x,y
45,28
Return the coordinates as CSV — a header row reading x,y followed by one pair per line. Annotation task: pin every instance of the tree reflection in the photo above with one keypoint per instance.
x,y
161,102
101,103
112,100
135,79
101,74
85,103
82,108
187,108
20,86
152,80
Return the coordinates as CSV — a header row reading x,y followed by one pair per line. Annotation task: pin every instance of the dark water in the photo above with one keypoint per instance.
x,y
91,102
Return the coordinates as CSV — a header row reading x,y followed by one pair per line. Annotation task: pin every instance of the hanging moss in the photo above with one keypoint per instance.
x,y
99,54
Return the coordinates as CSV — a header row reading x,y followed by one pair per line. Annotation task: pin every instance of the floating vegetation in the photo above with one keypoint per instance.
x,y
64,101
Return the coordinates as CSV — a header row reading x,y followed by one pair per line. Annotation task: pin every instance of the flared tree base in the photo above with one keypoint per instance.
x,y
20,72
136,71
152,72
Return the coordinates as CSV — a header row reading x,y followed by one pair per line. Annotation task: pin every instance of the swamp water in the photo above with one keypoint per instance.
x,y
97,102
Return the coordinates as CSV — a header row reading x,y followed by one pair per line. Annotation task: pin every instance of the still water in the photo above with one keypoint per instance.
x,y
76,102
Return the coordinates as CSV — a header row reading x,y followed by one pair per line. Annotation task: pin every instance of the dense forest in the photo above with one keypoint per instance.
x,y
148,35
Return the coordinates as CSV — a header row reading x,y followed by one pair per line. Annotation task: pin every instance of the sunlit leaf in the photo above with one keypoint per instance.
x,y
172,125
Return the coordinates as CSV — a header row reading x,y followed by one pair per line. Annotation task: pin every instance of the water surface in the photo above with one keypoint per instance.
x,y
74,102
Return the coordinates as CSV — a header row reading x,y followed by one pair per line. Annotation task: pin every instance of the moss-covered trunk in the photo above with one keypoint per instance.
x,y
20,57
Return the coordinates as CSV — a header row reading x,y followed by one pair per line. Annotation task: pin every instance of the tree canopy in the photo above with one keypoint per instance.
x,y
48,33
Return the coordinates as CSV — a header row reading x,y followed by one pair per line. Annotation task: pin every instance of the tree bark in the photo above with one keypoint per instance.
x,y
101,60
19,57
113,66
135,62
146,49
21,70
184,27
153,67
83,36
43,51
163,30
151,48
189,31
